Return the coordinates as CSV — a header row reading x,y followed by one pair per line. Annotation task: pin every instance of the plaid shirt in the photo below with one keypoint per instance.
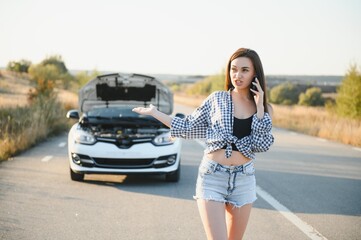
x,y
213,120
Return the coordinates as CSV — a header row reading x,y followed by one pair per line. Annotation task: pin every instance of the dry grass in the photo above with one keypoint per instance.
x,y
22,127
187,100
14,89
308,120
21,124
16,135
318,122
68,99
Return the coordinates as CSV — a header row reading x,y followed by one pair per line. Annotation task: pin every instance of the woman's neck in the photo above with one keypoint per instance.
x,y
242,94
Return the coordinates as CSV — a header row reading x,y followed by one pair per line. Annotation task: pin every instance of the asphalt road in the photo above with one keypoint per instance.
x,y
308,188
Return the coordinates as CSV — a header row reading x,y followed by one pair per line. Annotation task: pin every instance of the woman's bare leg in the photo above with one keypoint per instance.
x,y
213,218
237,219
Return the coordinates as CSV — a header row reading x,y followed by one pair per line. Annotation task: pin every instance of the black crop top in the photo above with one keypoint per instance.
x,y
241,128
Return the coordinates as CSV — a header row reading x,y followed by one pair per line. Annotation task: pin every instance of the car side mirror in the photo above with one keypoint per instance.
x,y
180,115
73,114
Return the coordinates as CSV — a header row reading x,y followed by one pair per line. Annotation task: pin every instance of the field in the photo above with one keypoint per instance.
x,y
14,88
22,124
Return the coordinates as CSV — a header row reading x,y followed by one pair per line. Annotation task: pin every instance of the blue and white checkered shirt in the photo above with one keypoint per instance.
x,y
213,120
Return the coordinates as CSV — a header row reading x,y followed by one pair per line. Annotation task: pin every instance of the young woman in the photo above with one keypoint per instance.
x,y
236,123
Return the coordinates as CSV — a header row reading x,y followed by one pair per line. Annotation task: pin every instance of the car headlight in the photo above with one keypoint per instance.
x,y
84,137
163,139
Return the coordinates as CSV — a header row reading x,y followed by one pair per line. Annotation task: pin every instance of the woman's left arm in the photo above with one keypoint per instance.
x,y
262,137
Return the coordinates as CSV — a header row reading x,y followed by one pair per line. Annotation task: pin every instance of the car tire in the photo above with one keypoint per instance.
x,y
173,176
76,176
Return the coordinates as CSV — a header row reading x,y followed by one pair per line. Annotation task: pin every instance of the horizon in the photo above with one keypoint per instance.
x,y
194,75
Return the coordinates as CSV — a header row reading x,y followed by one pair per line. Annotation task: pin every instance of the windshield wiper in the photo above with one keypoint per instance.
x,y
99,117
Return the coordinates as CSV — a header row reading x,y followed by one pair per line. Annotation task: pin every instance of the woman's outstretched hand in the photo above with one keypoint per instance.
x,y
145,111
152,111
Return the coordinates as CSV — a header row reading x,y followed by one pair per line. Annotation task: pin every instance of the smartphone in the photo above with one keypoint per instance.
x,y
253,87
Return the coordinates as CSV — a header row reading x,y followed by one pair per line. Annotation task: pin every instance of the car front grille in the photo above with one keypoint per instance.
x,y
123,162
124,143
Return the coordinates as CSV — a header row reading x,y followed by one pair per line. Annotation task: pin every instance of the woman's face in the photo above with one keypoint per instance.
x,y
242,73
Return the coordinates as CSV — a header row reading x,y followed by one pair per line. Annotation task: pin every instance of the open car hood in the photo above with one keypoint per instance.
x,y
133,90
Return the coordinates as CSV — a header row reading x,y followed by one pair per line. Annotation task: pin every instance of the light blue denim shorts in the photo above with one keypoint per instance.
x,y
234,185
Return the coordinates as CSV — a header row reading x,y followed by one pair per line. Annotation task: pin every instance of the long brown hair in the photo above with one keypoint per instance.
x,y
258,68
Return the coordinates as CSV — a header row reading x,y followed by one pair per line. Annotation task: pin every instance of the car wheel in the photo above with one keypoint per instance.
x,y
76,176
173,176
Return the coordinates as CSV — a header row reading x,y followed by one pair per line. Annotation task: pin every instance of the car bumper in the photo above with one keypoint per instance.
x,y
105,158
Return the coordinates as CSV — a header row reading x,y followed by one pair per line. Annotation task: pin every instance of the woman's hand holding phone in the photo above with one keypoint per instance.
x,y
253,86
258,94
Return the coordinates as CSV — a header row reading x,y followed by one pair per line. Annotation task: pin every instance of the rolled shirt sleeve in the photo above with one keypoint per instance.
x,y
262,137
192,126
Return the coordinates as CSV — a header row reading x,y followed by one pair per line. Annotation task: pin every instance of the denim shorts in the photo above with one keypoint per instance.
x,y
234,185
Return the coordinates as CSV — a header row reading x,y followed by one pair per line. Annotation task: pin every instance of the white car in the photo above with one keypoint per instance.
x,y
110,138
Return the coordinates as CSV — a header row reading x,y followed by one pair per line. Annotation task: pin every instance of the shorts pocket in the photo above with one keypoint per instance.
x,y
249,170
206,168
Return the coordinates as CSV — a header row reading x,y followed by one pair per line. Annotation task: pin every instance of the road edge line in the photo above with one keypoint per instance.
x,y
307,229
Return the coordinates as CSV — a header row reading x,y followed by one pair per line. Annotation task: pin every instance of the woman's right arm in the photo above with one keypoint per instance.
x,y
152,111
192,126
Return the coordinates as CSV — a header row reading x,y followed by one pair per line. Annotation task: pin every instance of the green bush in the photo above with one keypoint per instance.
x,y
285,94
83,77
312,97
44,78
207,85
63,78
57,61
19,66
175,87
348,100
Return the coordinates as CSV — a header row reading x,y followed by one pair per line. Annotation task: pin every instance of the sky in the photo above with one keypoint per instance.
x,y
191,37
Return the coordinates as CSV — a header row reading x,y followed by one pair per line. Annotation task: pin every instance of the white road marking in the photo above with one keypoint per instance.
x,y
357,149
307,229
46,158
62,144
200,142
322,140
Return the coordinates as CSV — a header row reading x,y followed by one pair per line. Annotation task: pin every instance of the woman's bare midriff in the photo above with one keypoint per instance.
x,y
235,159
